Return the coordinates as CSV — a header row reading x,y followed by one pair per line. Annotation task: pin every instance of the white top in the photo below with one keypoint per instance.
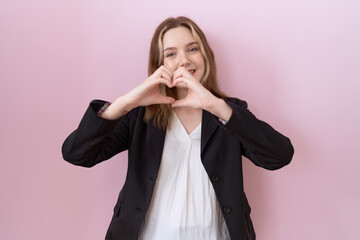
x,y
184,204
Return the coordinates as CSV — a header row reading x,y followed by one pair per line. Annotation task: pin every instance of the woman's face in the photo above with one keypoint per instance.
x,y
182,50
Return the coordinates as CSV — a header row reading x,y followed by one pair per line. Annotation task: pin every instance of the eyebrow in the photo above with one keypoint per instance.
x,y
187,45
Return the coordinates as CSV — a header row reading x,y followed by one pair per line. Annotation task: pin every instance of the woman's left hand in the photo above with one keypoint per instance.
x,y
197,96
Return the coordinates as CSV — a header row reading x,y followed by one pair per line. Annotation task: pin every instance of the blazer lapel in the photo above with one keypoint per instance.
x,y
157,137
208,127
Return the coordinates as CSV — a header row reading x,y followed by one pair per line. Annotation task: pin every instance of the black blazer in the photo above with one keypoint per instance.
x,y
222,146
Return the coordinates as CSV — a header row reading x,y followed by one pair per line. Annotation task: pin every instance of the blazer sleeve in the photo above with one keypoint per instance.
x,y
260,143
96,139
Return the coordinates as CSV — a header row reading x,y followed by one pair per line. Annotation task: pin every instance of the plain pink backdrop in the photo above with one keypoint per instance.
x,y
295,62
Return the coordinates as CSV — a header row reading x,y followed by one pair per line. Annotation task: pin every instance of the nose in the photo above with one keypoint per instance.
x,y
183,59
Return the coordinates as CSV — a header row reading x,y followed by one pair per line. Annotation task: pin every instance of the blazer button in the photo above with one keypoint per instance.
x,y
215,178
139,209
227,210
152,179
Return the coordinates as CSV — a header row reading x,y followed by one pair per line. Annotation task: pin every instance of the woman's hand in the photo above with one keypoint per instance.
x,y
198,96
147,93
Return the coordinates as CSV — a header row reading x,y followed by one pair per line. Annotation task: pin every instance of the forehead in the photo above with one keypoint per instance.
x,y
178,37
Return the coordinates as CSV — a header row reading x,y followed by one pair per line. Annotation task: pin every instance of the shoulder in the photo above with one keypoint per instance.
x,y
236,101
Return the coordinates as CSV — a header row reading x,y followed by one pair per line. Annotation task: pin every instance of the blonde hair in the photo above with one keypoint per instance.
x,y
160,114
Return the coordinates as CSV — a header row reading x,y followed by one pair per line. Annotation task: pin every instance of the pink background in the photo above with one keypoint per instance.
x,y
295,62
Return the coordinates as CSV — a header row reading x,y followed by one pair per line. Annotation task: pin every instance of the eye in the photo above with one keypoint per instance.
x,y
171,54
194,49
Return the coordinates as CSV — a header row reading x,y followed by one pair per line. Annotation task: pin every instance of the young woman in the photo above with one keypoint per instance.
x,y
185,142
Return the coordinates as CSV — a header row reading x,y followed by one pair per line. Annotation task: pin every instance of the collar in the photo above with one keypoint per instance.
x,y
208,127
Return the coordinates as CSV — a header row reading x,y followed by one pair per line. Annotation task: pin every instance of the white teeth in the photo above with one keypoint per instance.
x,y
192,71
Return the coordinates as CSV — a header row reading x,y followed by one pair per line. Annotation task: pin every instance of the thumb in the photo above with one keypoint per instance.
x,y
180,103
166,100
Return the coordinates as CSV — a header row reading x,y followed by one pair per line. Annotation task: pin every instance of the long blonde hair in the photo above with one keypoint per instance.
x,y
160,114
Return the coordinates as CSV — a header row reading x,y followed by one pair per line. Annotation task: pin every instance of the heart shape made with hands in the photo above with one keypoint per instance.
x,y
173,89
179,85
183,87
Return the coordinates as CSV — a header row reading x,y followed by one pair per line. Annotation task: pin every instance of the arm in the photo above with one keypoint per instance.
x,y
96,139
261,143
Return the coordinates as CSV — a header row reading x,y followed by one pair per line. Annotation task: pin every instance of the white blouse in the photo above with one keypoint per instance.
x,y
184,204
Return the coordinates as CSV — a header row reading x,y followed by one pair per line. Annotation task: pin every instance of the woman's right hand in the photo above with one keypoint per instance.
x,y
145,94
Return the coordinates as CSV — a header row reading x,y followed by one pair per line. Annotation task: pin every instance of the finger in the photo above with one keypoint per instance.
x,y
155,82
167,82
167,71
185,81
161,72
165,74
180,103
182,72
180,69
179,73
166,100
179,83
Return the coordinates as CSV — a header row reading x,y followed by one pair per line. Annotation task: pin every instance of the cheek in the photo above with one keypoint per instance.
x,y
170,65
202,66
200,61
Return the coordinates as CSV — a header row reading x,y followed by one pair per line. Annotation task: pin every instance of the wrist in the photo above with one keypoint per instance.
x,y
129,104
220,109
213,105
116,109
